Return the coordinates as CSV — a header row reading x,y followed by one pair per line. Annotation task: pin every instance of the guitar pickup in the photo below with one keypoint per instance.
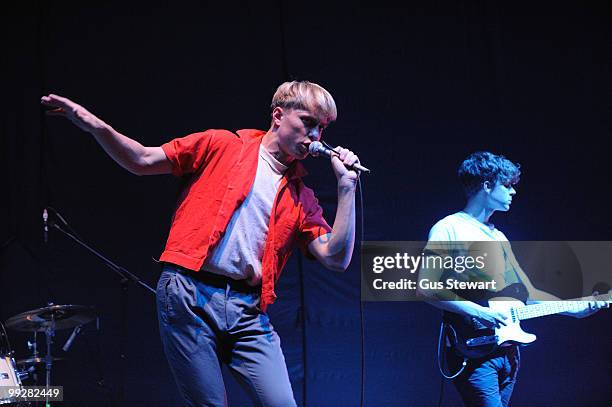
x,y
482,340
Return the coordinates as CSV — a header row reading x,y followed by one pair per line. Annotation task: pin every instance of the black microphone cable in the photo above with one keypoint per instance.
x,y
361,304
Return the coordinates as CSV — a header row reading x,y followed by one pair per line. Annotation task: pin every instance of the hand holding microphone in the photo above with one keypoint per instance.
x,y
317,148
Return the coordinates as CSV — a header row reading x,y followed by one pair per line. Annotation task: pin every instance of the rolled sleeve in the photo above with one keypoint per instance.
x,y
188,154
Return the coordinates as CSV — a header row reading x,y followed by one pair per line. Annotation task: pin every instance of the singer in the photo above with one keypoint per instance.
x,y
241,213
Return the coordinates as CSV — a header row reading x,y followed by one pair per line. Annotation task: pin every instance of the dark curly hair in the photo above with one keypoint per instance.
x,y
484,166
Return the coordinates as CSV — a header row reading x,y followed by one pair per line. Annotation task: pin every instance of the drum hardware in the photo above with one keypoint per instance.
x,y
55,220
53,317
34,361
48,319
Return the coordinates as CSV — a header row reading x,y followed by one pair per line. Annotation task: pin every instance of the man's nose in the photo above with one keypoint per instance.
x,y
314,134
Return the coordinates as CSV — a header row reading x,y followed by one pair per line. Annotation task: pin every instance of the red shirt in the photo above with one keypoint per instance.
x,y
222,168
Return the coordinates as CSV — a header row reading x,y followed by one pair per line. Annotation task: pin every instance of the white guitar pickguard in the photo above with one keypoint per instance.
x,y
512,332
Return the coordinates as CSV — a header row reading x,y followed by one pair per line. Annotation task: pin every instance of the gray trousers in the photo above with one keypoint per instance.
x,y
206,320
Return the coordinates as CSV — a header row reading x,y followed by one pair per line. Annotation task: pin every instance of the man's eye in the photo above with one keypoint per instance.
x,y
309,122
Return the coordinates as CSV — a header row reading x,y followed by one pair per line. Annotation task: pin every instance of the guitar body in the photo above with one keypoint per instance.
x,y
471,339
512,333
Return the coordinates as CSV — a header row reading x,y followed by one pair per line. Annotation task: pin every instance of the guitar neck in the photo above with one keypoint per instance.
x,y
555,307
548,308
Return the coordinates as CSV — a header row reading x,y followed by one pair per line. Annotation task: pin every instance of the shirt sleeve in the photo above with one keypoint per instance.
x,y
439,233
440,240
187,154
312,223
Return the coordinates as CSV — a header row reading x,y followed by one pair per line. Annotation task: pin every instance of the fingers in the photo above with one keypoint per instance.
x,y
77,114
56,112
53,99
594,306
57,101
347,157
591,305
501,318
493,319
597,305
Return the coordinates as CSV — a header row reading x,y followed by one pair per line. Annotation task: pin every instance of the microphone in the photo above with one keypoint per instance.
x,y
72,337
317,148
45,217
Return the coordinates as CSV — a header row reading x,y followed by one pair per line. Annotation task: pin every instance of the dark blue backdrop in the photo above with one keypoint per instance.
x,y
418,87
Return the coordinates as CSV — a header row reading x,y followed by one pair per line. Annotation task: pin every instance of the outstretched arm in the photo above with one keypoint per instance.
x,y
536,296
128,153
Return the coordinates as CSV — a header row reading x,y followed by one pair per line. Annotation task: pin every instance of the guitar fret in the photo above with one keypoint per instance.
x,y
549,308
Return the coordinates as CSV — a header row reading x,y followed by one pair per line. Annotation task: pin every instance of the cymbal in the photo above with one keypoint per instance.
x,y
56,317
34,361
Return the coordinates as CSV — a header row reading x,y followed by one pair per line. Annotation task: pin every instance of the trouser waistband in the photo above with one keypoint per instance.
x,y
216,280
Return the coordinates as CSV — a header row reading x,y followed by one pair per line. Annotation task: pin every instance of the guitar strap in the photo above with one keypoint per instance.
x,y
511,260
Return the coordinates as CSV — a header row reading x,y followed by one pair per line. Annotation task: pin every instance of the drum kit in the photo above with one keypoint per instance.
x,y
46,320
53,317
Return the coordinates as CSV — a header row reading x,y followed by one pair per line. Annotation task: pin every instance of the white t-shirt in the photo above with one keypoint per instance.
x,y
238,254
465,232
461,226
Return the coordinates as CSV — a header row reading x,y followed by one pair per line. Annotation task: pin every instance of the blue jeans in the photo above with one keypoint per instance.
x,y
489,382
206,320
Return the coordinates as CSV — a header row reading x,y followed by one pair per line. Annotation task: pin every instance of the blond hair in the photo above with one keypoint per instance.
x,y
307,96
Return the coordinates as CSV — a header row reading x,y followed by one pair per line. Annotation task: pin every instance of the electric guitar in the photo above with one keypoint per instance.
x,y
471,339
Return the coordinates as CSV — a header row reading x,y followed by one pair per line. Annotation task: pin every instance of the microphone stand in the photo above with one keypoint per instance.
x,y
122,272
125,278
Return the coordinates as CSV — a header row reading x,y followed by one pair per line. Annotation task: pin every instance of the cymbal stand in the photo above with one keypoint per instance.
x,y
49,334
33,346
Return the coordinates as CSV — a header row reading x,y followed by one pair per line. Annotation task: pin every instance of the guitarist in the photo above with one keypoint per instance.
x,y
488,181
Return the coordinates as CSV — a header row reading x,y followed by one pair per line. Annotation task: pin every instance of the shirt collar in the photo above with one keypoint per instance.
x,y
296,169
276,165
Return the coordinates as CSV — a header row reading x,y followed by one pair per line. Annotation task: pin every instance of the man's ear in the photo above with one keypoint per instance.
x,y
487,187
277,116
